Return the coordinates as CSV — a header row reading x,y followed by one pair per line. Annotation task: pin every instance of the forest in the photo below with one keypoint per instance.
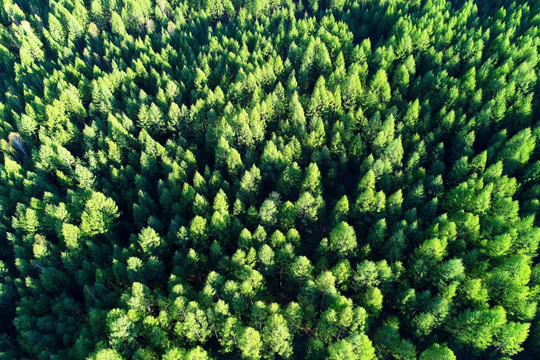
x,y
269,179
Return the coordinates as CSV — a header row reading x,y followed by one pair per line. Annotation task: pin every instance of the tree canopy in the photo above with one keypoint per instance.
x,y
269,179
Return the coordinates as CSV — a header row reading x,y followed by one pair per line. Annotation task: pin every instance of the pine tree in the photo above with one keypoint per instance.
x,y
343,239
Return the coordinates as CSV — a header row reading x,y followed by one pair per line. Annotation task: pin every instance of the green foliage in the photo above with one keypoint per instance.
x,y
342,239
99,215
250,344
206,179
356,346
437,351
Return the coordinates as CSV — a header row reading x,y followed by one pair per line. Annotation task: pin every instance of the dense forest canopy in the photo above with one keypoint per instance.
x,y
260,179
